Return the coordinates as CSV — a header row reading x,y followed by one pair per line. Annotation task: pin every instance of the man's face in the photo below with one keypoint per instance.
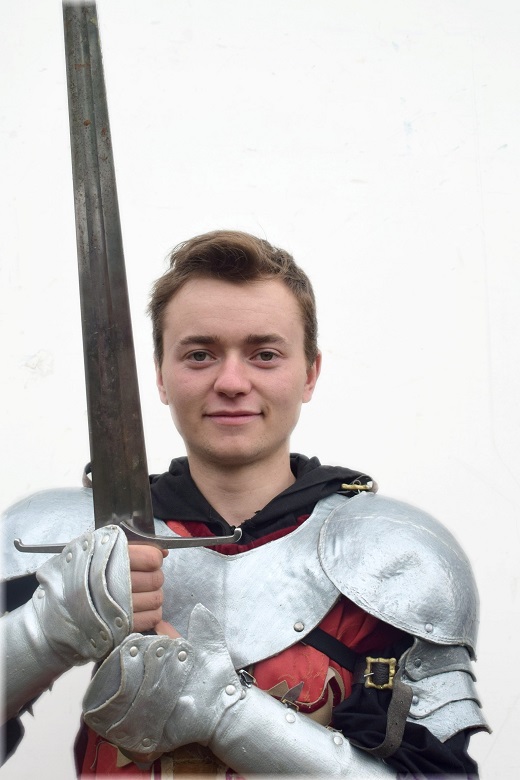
x,y
234,372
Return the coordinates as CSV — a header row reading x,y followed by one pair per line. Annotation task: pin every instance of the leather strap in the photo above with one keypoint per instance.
x,y
400,702
398,710
332,647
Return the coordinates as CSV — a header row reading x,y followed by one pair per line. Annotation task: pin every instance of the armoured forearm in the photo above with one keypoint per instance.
x,y
154,694
259,734
31,665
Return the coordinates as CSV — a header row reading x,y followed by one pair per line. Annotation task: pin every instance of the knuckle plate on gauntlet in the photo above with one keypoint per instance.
x,y
134,692
178,688
73,602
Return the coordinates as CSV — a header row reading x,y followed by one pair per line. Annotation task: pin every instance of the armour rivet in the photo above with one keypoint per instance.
x,y
182,655
146,742
230,690
290,717
428,628
338,740
159,652
133,651
103,635
118,621
415,701
85,545
105,539
299,626
68,557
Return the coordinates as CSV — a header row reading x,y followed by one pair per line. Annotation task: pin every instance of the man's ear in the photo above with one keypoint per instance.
x,y
313,373
160,383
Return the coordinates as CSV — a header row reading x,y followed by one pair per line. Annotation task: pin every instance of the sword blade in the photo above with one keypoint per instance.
x,y
118,455
121,487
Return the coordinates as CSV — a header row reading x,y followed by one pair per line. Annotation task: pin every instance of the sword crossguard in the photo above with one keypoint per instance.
x,y
38,548
172,543
164,542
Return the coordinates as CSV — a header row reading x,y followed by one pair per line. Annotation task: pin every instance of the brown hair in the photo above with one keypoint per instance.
x,y
233,257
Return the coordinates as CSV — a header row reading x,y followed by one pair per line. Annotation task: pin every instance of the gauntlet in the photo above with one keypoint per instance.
x,y
80,611
154,694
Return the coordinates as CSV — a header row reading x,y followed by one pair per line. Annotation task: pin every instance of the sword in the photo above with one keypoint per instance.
x,y
121,484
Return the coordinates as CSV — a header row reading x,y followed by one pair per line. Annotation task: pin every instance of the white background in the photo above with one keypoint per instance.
x,y
375,139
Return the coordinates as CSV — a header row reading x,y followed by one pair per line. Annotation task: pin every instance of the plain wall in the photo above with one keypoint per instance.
x,y
375,139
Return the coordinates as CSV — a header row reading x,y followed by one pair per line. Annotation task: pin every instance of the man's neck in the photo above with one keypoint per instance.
x,y
238,493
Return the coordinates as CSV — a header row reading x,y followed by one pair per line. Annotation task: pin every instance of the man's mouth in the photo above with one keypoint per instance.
x,y
235,417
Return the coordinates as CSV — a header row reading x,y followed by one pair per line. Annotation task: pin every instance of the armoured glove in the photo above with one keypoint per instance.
x,y
154,694
81,610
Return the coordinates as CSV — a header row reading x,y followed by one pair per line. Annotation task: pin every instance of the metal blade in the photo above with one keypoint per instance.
x,y
119,467
121,486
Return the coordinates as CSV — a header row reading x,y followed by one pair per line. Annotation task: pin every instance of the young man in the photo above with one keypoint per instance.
x,y
334,638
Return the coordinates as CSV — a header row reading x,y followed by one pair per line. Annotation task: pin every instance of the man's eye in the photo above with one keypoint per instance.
x,y
199,356
266,356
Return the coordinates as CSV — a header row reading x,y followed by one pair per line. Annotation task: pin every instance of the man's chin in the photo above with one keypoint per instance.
x,y
228,457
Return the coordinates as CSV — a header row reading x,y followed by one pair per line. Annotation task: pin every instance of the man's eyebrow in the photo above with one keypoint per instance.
x,y
253,338
266,338
188,340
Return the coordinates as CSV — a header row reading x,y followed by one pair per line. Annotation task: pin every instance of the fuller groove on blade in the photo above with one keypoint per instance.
x,y
119,467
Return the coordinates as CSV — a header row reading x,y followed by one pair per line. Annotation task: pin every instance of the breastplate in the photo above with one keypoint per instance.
x,y
265,599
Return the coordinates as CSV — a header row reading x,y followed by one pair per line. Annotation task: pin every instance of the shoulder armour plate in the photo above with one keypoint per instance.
x,y
401,565
445,699
47,517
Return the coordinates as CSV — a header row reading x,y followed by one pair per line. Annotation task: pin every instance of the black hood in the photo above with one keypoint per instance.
x,y
175,496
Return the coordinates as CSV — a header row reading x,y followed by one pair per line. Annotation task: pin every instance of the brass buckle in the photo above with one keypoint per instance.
x,y
358,486
369,673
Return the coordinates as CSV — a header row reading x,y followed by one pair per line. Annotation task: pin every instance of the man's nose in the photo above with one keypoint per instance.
x,y
233,377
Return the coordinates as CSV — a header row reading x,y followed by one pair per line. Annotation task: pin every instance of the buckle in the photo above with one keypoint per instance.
x,y
246,678
358,486
380,673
